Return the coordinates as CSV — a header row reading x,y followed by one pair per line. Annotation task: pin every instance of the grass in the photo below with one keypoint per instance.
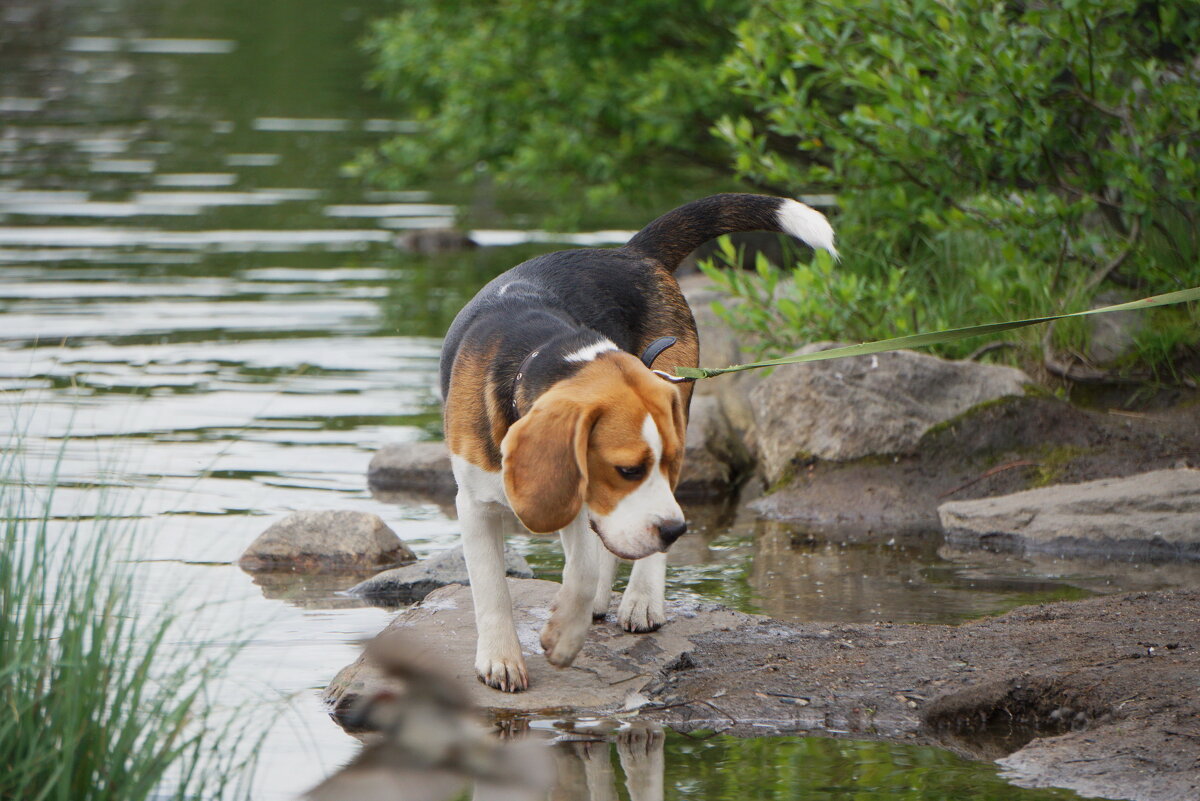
x,y
93,704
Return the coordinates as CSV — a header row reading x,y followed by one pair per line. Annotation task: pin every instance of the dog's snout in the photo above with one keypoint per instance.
x,y
671,530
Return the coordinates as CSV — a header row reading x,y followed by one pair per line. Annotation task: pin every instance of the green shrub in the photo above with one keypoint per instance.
x,y
92,703
578,102
991,160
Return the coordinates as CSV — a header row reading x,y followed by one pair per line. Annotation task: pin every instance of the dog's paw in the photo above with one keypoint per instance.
x,y
640,614
562,641
504,674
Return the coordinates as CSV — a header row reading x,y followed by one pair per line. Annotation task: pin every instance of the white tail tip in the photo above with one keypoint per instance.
x,y
806,224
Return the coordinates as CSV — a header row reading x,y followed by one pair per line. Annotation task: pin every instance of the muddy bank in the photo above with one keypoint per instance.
x,y
998,448
1109,683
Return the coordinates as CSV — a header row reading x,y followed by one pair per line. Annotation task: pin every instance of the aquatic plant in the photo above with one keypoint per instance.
x,y
93,705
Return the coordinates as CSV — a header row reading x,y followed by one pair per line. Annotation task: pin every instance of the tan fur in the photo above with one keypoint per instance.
x,y
471,427
566,451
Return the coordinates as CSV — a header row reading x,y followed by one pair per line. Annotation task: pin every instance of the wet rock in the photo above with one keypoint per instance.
x,y
422,467
411,583
612,665
435,240
1153,515
846,409
715,458
326,541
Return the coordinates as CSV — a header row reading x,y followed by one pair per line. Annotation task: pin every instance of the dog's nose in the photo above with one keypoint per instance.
x,y
671,530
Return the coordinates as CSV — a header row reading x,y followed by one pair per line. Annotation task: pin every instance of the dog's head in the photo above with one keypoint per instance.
x,y
611,437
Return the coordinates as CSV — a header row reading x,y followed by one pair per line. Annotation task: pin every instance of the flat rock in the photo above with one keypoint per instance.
x,y
846,409
1153,515
329,540
411,583
612,665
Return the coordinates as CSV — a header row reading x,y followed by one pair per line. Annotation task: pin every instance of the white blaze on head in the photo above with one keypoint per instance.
x,y
589,352
806,224
631,529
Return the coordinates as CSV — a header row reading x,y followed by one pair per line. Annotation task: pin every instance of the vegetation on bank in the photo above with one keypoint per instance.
x,y
94,705
990,160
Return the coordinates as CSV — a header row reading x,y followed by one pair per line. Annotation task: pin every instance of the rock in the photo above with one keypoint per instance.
x,y
611,666
1153,515
325,541
845,409
422,467
1113,336
411,583
435,240
715,459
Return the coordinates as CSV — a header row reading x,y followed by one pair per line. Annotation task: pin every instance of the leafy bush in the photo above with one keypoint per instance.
x,y
577,101
991,160
92,706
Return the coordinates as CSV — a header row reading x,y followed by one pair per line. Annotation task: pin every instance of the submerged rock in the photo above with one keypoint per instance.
x,y
411,583
421,467
324,541
612,666
1153,515
846,409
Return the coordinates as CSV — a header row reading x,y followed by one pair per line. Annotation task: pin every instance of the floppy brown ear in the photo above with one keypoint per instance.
x,y
545,464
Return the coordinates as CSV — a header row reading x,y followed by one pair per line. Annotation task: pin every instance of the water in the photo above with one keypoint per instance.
x,y
204,325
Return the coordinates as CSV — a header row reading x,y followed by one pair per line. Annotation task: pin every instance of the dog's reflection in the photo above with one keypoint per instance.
x,y
585,768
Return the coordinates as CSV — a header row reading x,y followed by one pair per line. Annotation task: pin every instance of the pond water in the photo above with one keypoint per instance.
x,y
204,325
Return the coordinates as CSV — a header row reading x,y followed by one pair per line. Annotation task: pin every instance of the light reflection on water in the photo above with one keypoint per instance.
x,y
204,326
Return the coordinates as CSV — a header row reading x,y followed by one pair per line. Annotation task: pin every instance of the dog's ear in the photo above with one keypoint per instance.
x,y
545,464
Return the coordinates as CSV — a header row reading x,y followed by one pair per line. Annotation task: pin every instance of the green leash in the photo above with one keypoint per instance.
x,y
937,337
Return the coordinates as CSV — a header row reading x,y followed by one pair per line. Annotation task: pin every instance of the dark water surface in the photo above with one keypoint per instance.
x,y
204,325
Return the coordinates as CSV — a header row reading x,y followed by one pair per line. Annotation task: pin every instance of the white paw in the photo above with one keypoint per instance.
x,y
562,640
640,614
505,673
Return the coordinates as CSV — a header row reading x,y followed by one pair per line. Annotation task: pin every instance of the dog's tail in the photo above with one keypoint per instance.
x,y
677,233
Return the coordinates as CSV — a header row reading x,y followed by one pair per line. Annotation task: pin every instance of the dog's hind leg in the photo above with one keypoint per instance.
x,y
498,659
606,573
643,604
563,634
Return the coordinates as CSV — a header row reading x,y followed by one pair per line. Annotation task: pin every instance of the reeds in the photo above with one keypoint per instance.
x,y
94,701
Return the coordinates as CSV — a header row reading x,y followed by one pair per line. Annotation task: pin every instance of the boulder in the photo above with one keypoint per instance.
x,y
612,668
715,458
846,409
326,541
411,583
1153,515
421,467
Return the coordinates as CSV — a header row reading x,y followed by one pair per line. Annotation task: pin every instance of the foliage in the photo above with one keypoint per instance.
x,y
1006,158
990,160
577,101
92,706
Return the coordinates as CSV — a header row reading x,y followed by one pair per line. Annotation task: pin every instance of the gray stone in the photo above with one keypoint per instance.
x,y
612,665
845,409
1148,516
331,540
715,458
420,467
411,583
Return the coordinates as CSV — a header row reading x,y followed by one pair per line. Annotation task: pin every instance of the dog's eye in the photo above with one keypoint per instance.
x,y
632,473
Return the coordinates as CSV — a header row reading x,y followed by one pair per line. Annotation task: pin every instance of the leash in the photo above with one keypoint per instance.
x,y
933,337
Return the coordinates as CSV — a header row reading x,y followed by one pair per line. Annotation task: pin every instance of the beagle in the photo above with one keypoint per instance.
x,y
549,411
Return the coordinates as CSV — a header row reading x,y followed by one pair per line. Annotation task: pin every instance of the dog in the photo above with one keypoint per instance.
x,y
549,411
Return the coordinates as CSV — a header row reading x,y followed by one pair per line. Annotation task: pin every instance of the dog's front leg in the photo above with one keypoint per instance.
x,y
498,659
643,604
563,634
605,574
